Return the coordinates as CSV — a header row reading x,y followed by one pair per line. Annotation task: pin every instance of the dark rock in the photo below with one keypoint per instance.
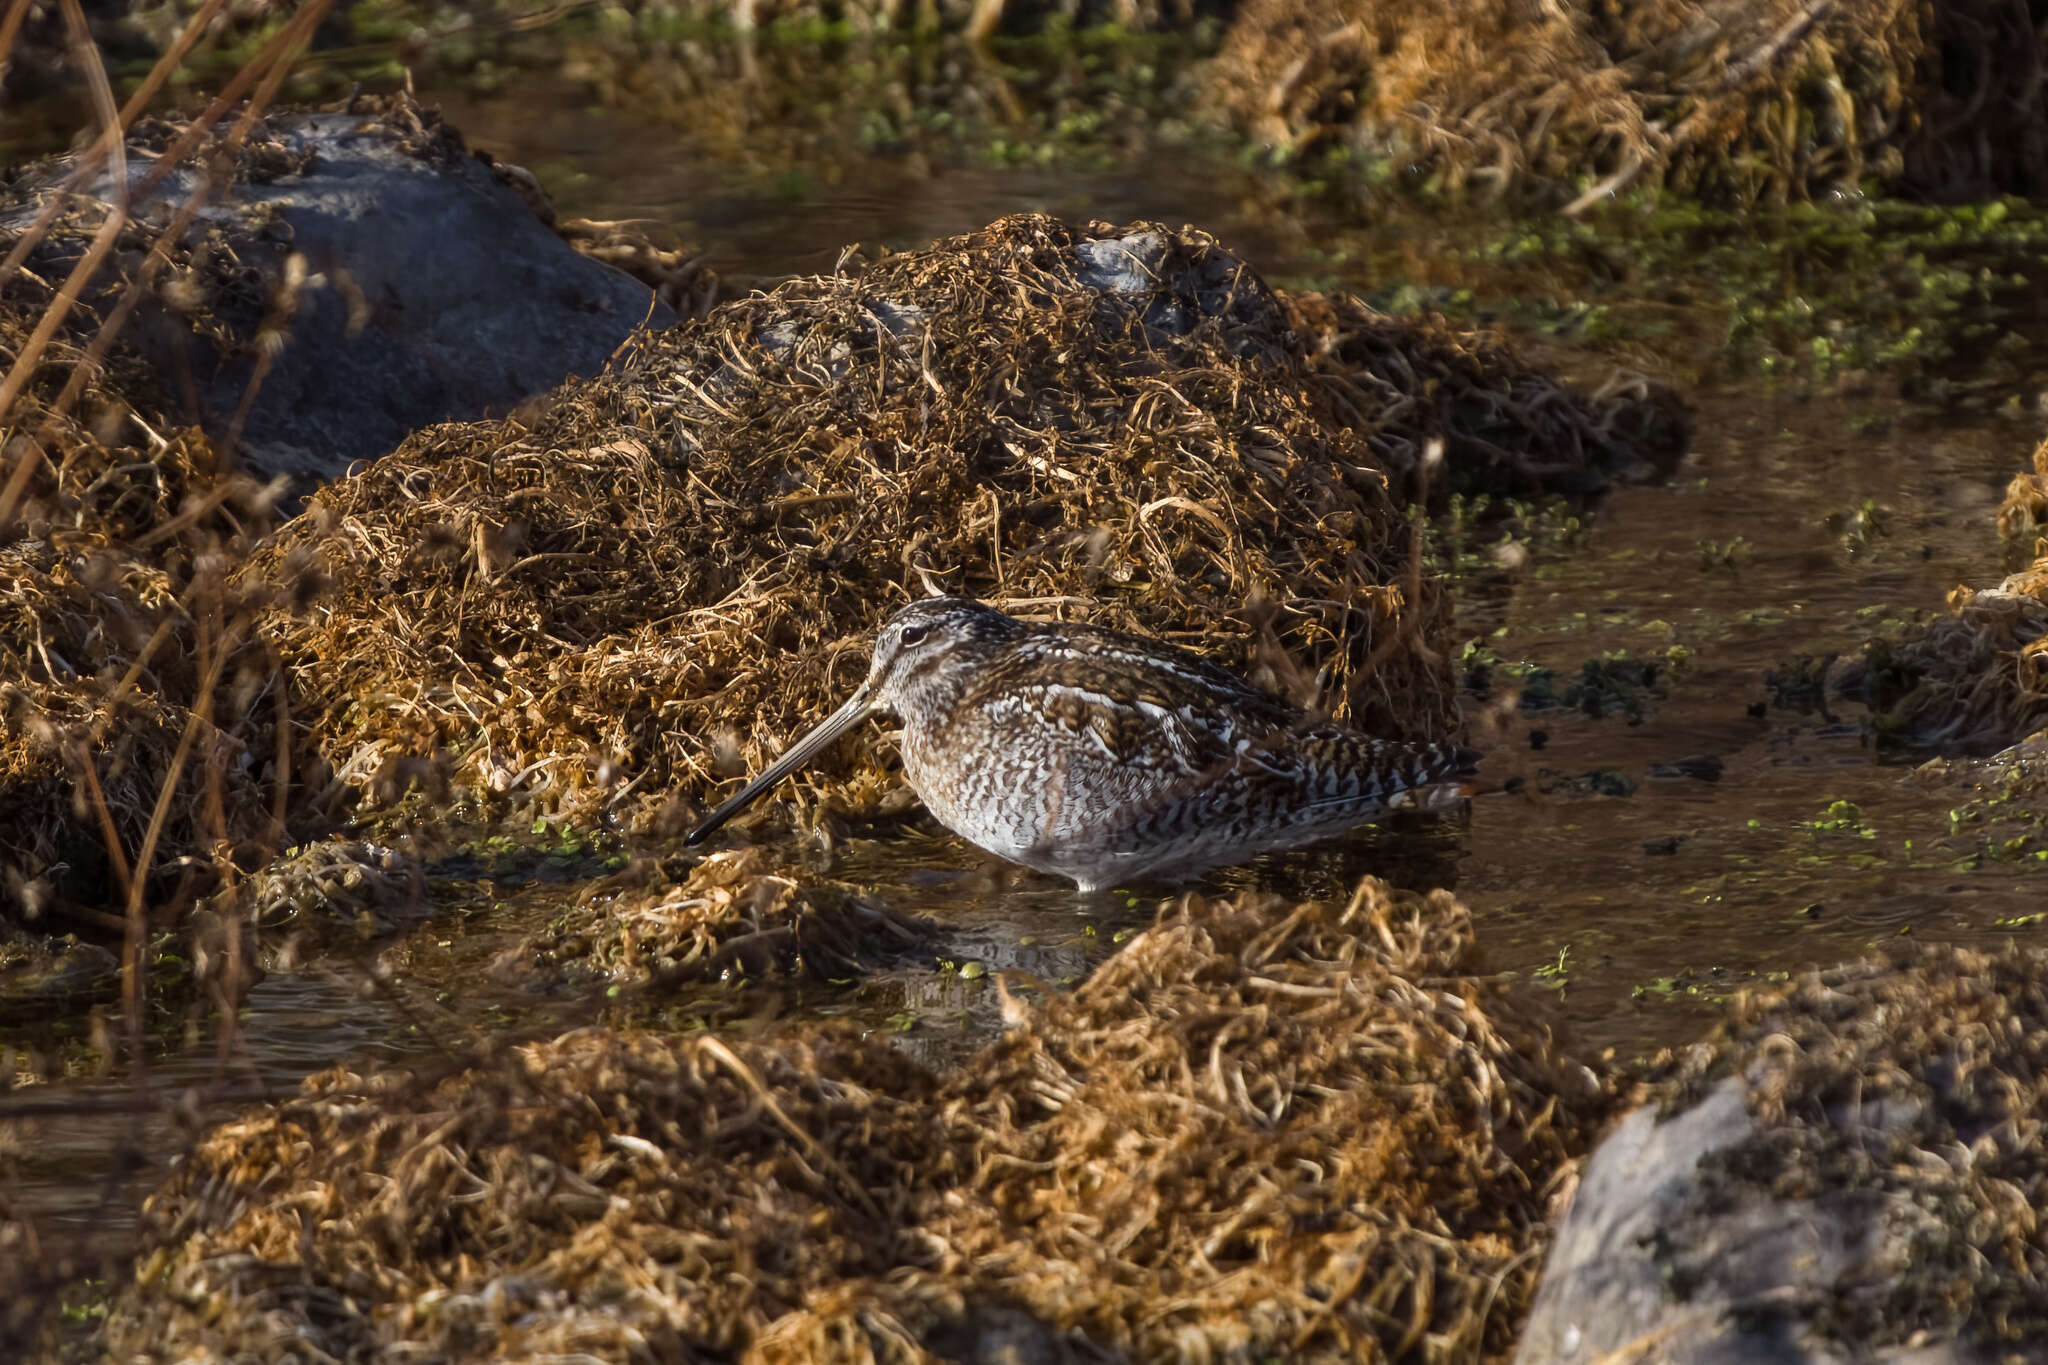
x,y
393,279
1849,1169
1698,767
1732,1289
38,974
1599,782
997,1334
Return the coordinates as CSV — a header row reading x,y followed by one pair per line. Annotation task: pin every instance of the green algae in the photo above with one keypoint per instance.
x,y
1842,817
818,97
1934,301
1614,683
1831,295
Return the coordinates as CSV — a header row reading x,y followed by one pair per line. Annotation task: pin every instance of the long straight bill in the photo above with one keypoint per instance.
x,y
803,751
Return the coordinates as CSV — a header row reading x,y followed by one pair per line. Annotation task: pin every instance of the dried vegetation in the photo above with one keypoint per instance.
x,y
1976,679
2023,516
1511,429
1261,1128
1921,1075
640,585
140,720
139,716
1726,100
731,917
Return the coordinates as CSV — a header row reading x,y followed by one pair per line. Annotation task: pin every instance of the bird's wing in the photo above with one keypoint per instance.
x,y
1143,703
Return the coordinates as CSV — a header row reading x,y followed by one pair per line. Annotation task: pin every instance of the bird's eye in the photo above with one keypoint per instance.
x,y
915,634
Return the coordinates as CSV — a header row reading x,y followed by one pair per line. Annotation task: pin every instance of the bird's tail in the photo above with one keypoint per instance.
x,y
1385,772
1432,774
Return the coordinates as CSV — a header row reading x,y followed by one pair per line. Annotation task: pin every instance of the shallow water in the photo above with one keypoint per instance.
x,y
1640,945
1640,911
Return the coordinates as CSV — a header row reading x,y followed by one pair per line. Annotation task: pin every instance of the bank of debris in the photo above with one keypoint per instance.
x,y
138,715
1262,1128
1577,102
1307,1129
732,917
642,586
1509,429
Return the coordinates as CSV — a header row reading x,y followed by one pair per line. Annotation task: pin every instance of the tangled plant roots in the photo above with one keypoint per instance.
x,y
1724,99
731,916
1979,676
1944,1050
692,549
1262,1128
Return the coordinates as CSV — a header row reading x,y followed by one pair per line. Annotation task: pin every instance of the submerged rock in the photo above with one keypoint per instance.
x,y
40,974
336,881
1866,1186
362,276
1261,1130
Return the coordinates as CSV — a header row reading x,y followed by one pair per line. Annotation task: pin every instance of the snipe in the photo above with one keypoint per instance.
x,y
1105,757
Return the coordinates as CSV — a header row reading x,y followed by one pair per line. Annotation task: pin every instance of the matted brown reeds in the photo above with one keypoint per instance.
x,y
130,684
1720,99
1262,1128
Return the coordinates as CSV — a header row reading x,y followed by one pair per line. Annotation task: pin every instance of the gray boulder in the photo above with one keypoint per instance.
x,y
1859,1185
392,278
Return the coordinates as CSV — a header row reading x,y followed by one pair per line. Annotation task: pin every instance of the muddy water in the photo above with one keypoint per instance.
x,y
1641,866
1640,910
